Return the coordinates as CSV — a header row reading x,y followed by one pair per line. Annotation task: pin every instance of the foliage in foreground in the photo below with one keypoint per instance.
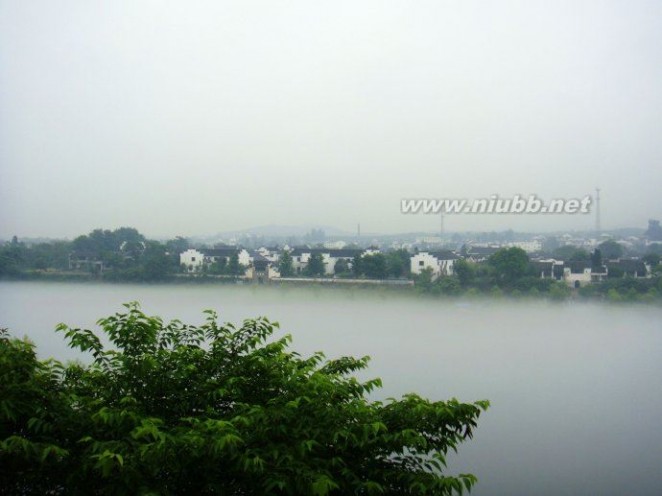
x,y
215,409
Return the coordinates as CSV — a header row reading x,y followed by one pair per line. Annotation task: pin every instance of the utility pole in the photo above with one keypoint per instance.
x,y
598,228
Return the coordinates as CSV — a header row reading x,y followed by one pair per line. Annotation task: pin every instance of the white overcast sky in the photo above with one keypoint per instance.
x,y
195,117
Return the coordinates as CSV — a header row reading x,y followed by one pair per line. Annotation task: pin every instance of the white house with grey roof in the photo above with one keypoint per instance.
x,y
195,259
441,262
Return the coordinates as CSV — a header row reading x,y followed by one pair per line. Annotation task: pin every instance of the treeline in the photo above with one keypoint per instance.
x,y
122,254
510,272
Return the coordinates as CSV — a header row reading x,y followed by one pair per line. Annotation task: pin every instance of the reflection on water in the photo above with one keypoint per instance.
x,y
575,388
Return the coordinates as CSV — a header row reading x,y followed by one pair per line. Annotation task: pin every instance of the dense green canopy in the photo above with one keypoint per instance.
x,y
173,408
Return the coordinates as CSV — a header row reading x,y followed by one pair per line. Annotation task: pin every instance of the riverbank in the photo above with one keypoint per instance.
x,y
623,290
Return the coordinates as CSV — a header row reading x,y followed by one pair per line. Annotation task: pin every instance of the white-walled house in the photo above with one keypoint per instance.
x,y
577,274
270,253
194,260
441,262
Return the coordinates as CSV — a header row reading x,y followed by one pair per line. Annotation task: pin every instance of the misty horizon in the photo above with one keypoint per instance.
x,y
185,119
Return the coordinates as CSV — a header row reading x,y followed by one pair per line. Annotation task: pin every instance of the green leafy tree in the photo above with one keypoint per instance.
x,y
571,253
215,409
219,267
315,267
509,264
357,265
12,258
611,250
156,265
175,247
285,266
374,266
449,286
341,267
398,263
424,280
234,267
652,259
464,271
615,271
596,259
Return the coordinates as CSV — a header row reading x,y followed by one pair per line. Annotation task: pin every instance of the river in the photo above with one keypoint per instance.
x,y
576,388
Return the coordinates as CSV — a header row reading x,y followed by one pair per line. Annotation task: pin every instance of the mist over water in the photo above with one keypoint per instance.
x,y
575,388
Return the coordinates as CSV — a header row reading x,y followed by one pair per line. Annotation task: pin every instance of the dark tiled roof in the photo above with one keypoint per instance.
x,y
443,255
259,258
602,269
577,267
631,267
220,252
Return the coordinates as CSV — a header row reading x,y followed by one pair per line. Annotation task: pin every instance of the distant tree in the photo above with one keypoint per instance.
x,y
614,271
234,267
449,286
315,267
596,259
357,265
509,265
464,271
570,253
54,254
285,266
374,266
216,409
175,247
155,263
559,291
341,267
398,263
424,280
611,250
13,258
219,267
652,259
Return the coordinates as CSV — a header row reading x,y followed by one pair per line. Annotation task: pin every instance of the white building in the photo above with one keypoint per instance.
x,y
194,260
528,246
577,275
441,262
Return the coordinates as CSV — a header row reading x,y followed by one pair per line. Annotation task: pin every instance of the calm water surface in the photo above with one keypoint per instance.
x,y
576,389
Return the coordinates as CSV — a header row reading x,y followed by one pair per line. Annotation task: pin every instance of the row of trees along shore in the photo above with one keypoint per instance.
x,y
172,409
509,272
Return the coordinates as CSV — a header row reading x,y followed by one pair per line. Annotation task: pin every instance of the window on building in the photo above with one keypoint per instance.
x,y
421,263
192,259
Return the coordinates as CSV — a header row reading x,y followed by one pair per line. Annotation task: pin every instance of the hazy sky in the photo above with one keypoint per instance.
x,y
195,117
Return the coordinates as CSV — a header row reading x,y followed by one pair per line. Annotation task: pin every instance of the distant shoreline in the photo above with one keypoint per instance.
x,y
399,286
